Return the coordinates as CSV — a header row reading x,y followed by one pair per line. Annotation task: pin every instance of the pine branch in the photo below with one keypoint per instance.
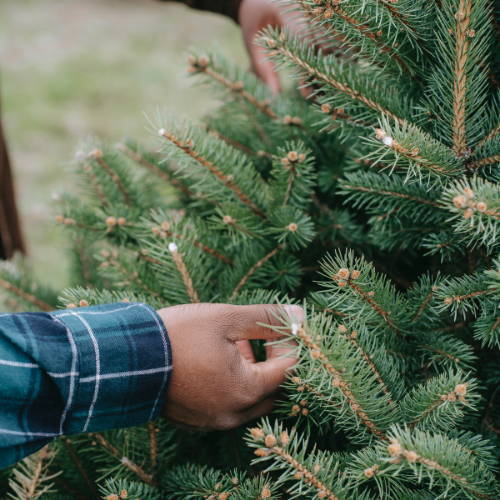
x,y
98,156
394,187
472,295
280,447
188,148
483,162
441,353
71,222
125,461
424,304
451,396
442,460
163,231
31,478
370,33
339,382
340,114
153,444
475,208
203,65
437,403
130,276
397,14
94,181
251,271
352,337
154,169
79,465
412,147
301,386
460,82
493,133
26,296
458,87
237,145
183,271
355,287
121,489
322,69
303,473
345,277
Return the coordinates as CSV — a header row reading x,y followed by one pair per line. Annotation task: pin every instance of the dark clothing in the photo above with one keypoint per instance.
x,y
10,231
85,369
228,8
11,239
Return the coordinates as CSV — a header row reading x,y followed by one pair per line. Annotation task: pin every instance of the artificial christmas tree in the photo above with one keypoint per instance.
x,y
375,204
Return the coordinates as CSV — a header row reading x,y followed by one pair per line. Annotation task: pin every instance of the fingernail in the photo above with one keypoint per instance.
x,y
296,313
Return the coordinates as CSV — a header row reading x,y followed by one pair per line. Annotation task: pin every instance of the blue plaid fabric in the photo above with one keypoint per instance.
x,y
79,370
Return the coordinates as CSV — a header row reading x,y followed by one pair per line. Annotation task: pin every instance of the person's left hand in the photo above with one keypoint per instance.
x,y
253,16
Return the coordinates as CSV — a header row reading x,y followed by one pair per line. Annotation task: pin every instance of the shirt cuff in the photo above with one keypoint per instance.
x,y
120,366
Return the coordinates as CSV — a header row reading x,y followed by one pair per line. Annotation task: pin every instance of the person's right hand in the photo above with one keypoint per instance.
x,y
216,382
253,16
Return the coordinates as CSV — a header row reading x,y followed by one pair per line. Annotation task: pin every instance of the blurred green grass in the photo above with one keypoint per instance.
x,y
71,69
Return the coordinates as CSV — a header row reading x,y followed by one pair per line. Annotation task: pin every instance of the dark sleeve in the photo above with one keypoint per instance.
x,y
80,370
228,8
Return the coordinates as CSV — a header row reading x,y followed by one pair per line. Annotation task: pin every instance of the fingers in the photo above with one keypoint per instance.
x,y
264,68
256,411
250,320
267,376
246,350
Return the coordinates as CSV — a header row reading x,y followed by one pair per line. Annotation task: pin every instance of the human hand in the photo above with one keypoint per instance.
x,y
216,382
253,16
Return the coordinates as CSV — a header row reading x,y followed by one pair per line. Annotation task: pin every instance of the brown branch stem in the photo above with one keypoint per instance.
x,y
126,462
186,278
81,469
395,194
154,169
28,297
340,383
153,444
305,474
460,77
251,271
98,156
213,169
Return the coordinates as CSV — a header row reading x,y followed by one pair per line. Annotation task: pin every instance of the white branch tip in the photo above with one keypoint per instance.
x,y
388,140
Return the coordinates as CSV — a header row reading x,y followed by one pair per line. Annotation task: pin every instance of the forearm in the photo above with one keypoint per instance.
x,y
80,370
228,8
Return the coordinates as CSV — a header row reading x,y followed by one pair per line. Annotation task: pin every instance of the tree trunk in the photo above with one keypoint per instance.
x,y
11,239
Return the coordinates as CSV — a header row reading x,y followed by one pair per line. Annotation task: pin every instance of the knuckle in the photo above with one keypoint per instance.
x,y
268,315
246,398
226,422
228,319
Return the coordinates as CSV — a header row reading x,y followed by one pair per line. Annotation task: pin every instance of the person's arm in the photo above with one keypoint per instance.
x,y
96,368
79,370
253,16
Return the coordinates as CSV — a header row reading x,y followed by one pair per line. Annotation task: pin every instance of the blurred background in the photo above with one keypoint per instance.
x,y
71,69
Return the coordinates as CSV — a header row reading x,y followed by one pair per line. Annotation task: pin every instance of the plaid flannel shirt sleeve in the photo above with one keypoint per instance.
x,y
79,370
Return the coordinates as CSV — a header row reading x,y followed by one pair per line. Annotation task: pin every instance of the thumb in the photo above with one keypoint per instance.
x,y
268,375
253,320
264,68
